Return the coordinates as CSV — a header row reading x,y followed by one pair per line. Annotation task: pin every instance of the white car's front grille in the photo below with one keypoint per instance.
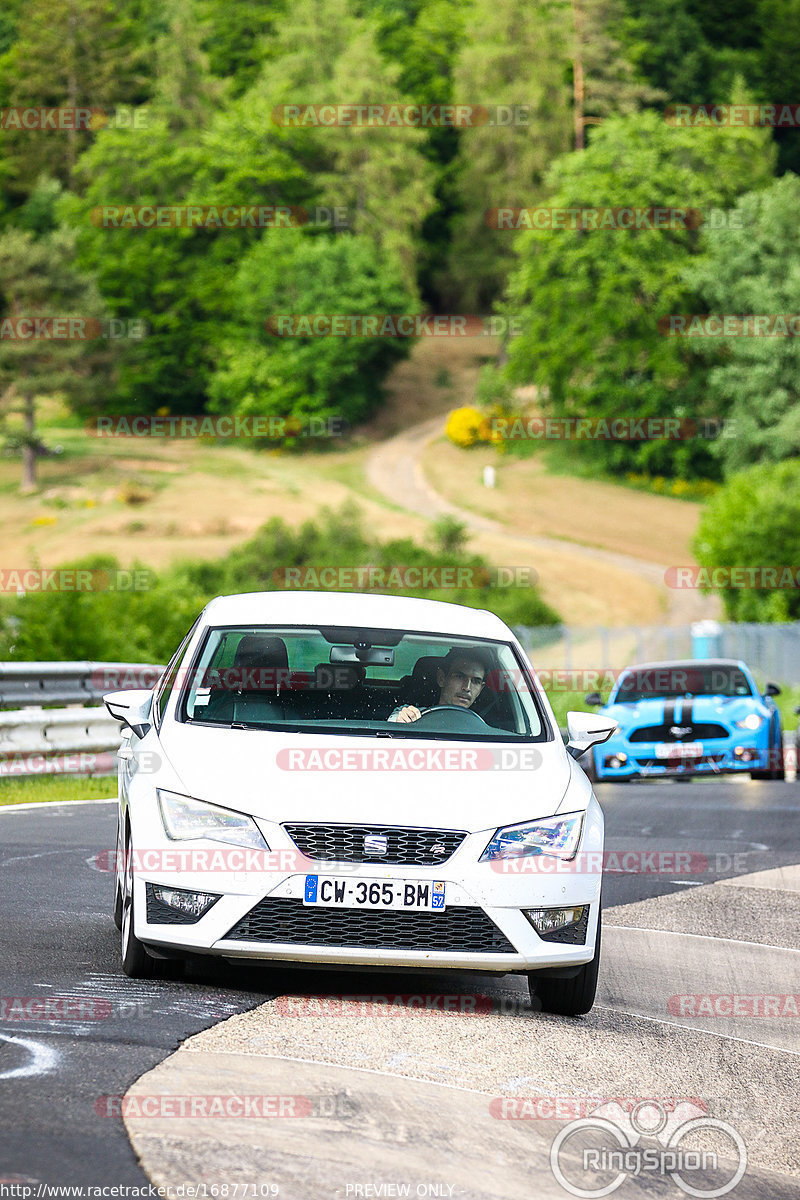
x,y
395,844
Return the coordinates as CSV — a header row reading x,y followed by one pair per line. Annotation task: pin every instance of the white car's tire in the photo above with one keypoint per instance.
x,y
569,997
136,962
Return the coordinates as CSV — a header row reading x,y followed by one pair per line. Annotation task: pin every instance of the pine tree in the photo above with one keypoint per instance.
x,y
73,54
515,54
40,282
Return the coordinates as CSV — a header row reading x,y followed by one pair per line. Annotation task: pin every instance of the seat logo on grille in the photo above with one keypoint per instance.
x,y
376,843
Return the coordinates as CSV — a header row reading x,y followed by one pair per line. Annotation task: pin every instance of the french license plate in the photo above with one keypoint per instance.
x,y
328,891
679,750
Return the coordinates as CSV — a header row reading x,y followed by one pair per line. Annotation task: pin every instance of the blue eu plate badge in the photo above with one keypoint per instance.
x,y
437,900
311,888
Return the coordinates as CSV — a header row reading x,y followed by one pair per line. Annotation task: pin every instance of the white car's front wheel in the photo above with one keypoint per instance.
x,y
118,881
568,997
136,962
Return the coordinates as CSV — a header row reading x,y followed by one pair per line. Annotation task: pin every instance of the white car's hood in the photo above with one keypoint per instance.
x,y
248,770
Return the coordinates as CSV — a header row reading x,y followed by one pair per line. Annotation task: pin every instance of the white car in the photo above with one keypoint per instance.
x,y
272,806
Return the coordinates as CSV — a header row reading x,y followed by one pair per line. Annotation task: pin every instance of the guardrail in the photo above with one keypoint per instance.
x,y
37,740
59,741
36,683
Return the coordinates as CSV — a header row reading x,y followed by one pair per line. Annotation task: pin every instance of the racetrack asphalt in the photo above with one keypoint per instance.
x,y
392,1096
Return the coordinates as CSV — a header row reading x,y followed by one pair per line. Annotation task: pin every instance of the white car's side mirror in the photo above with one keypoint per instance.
x,y
132,708
587,730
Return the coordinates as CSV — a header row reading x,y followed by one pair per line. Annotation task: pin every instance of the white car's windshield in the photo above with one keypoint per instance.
x,y
359,680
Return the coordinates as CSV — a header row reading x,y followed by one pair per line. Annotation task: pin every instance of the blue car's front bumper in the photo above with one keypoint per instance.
x,y
741,752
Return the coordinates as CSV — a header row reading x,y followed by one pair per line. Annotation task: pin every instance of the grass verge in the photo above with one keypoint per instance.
x,y
38,789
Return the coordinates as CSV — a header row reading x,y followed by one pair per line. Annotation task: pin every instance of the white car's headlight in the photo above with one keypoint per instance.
x,y
752,721
185,818
559,836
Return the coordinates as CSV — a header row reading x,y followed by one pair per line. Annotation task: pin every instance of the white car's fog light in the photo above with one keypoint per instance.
x,y
548,920
194,904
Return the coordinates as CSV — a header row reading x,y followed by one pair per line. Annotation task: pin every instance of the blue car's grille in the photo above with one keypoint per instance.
x,y
698,732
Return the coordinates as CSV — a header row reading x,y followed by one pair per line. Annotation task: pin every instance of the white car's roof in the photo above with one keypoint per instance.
x,y
354,608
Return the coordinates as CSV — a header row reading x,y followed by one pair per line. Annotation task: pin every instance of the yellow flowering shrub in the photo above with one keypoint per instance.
x,y
464,426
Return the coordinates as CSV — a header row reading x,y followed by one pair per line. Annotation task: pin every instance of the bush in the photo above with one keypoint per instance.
x,y
754,520
146,626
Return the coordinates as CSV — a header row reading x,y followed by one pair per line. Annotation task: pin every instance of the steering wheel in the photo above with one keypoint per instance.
x,y
448,721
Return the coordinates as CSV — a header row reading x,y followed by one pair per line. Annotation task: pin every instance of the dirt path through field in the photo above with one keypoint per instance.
x,y
587,584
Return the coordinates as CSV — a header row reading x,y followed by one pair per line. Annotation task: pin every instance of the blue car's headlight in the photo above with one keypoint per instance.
x,y
559,836
752,722
184,818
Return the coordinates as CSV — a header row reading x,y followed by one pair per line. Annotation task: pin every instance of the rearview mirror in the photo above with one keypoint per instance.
x,y
772,690
587,730
132,708
368,656
594,698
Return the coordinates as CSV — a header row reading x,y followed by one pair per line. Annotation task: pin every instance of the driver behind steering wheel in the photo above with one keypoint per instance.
x,y
461,679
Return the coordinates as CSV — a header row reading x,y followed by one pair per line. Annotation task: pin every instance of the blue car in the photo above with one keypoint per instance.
x,y
691,717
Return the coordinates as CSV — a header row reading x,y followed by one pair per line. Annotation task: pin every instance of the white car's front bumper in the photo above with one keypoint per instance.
x,y
484,892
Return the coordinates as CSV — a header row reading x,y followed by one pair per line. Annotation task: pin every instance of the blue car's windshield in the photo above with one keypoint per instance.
x,y
669,681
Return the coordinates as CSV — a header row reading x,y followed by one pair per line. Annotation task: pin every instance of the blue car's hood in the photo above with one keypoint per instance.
x,y
684,710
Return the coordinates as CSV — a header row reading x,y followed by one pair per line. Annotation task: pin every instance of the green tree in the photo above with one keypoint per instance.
x,y
754,521
589,301
237,37
40,283
779,69
666,44
516,55
289,272
755,269
604,80
75,53
423,38
173,279
326,54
